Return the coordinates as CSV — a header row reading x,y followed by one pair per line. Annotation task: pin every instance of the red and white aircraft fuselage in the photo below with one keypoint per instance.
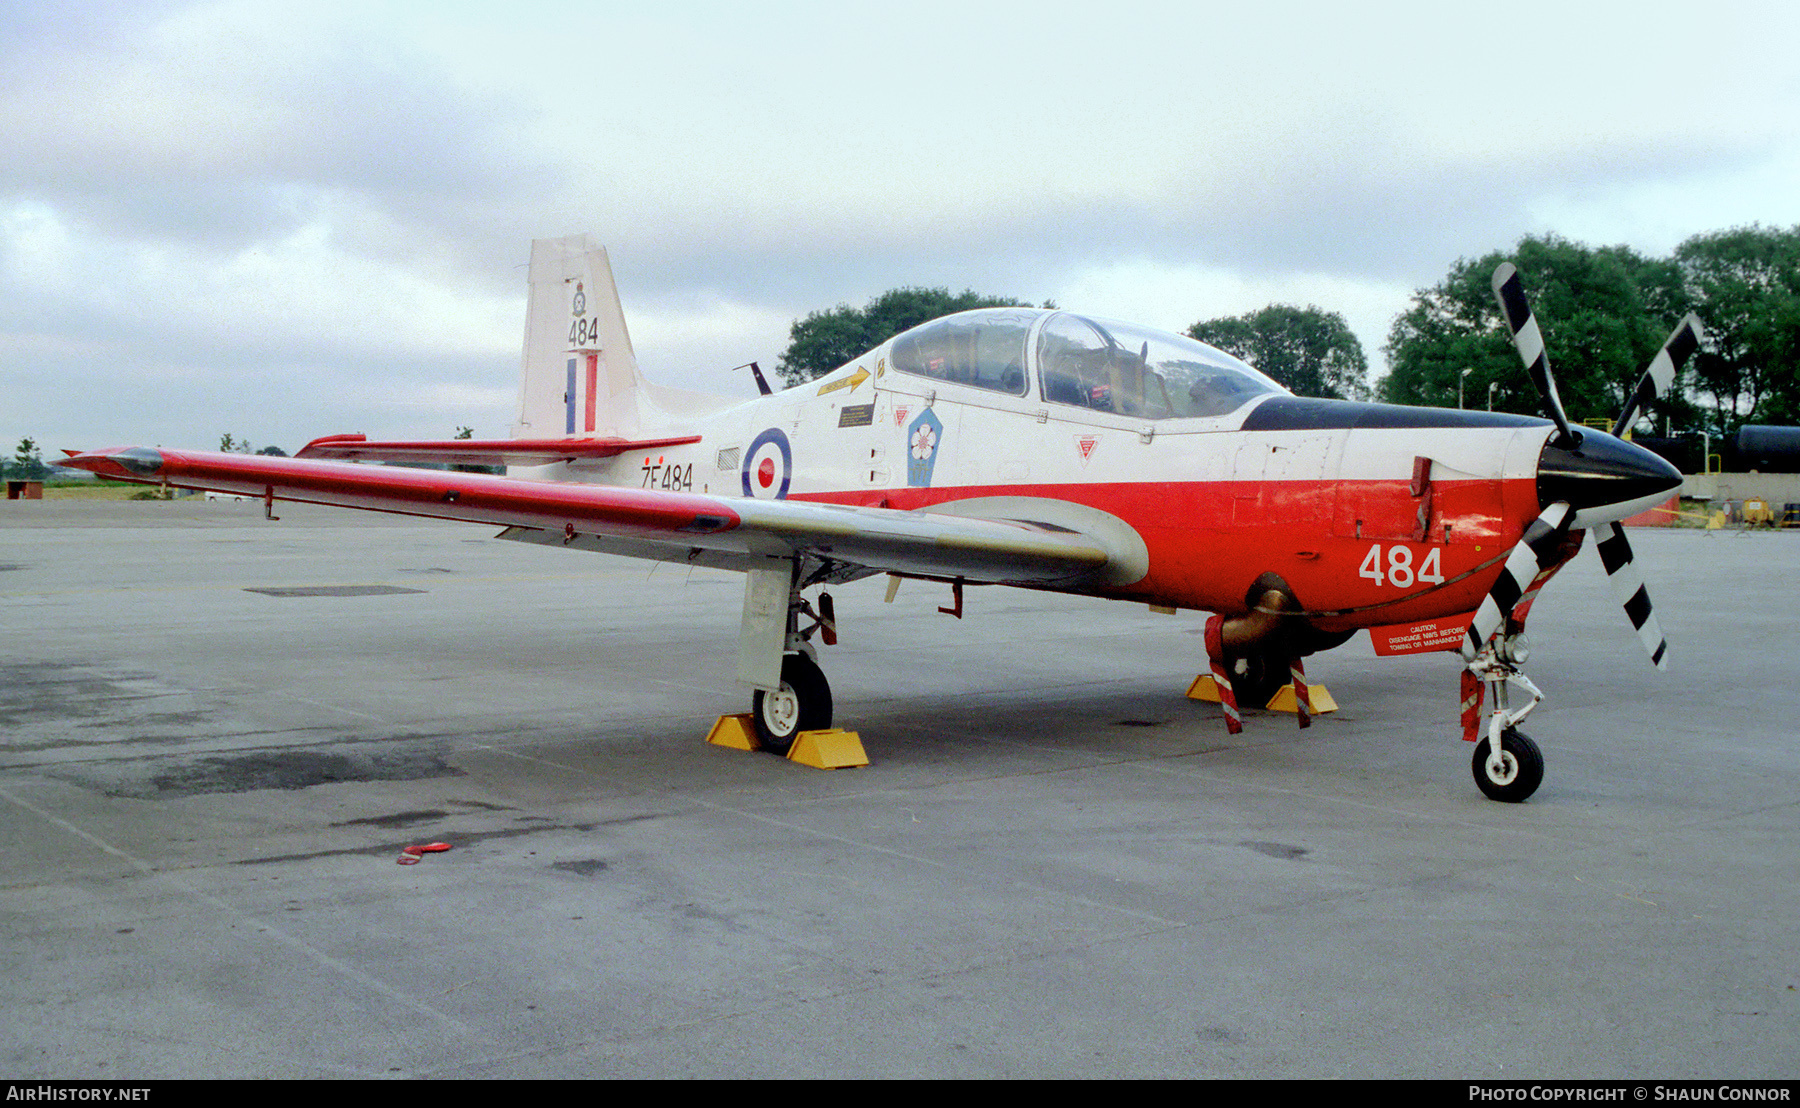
x,y
1028,447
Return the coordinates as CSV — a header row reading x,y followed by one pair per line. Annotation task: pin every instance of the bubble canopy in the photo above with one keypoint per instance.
x,y
1080,361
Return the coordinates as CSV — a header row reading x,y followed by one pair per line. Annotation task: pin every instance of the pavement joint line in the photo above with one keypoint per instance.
x,y
264,691
318,956
864,845
98,753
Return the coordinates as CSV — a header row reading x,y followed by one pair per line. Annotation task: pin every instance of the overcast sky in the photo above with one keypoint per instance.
x,y
285,220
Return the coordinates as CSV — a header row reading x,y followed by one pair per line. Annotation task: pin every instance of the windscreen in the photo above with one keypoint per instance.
x,y
1130,370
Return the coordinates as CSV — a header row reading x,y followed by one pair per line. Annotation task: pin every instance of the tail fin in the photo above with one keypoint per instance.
x,y
579,376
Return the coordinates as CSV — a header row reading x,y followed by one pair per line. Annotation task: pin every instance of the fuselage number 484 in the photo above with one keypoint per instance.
x,y
1396,568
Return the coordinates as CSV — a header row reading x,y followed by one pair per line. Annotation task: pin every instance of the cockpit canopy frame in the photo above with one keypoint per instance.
x,y
1080,361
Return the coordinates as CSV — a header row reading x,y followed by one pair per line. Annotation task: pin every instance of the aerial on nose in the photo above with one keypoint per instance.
x,y
1602,478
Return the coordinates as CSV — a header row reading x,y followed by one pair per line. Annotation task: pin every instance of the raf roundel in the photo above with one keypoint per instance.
x,y
768,466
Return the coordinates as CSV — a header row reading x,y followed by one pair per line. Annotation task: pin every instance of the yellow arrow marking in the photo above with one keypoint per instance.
x,y
849,382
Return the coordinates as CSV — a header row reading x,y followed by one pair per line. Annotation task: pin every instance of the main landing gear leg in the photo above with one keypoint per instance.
x,y
1258,679
1507,765
776,657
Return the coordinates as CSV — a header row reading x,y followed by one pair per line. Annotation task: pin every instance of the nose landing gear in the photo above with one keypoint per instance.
x,y
1508,766
1511,773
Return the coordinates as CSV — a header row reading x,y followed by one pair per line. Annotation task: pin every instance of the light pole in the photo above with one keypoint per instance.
x,y
1459,386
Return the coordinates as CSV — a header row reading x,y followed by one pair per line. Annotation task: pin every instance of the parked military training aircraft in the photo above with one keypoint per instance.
x,y
1035,448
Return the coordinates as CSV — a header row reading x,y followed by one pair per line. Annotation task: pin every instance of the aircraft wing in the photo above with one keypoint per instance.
x,y
486,452
715,531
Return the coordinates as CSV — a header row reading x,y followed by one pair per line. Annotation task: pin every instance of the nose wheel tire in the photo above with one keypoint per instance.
x,y
1514,773
803,703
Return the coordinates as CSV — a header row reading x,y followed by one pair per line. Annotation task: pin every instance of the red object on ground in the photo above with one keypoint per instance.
x,y
409,856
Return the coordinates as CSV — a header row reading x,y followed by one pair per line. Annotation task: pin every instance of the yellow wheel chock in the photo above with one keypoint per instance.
x,y
832,748
1207,689
733,733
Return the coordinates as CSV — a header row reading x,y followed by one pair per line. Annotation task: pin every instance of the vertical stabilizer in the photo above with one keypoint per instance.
x,y
579,376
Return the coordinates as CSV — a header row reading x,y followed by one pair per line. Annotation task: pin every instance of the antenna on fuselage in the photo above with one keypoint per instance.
x,y
756,371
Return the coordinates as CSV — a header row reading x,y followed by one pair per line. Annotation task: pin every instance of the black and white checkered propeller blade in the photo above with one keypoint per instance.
x,y
1628,588
1509,289
1615,550
1682,343
1536,551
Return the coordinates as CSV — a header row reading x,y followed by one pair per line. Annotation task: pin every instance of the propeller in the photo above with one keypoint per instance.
x,y
1509,289
1628,589
1536,551
1594,481
1681,344
1615,551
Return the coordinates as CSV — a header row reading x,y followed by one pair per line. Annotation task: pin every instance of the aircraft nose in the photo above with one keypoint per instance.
x,y
1603,478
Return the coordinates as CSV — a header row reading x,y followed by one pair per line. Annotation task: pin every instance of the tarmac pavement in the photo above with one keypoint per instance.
x,y
1056,866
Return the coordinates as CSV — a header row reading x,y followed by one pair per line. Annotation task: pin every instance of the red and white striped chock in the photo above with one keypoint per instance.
x,y
1215,655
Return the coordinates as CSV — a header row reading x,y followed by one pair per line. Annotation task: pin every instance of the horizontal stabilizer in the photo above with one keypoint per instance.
x,y
488,452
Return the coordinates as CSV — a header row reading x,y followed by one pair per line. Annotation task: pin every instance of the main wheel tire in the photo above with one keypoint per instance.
x,y
1517,772
1256,678
803,703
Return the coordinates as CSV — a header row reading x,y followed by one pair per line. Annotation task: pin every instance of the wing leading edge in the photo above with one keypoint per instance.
x,y
717,531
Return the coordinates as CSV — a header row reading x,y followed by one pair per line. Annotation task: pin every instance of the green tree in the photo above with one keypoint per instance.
x,y
1310,350
27,463
466,433
1604,313
827,340
1745,286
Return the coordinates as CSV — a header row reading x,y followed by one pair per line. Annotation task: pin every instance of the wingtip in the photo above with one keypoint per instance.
x,y
129,462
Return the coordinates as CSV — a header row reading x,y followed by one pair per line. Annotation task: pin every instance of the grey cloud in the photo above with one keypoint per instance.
x,y
1383,220
33,26
250,152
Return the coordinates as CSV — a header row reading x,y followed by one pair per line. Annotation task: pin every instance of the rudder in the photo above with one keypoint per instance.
x,y
578,376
